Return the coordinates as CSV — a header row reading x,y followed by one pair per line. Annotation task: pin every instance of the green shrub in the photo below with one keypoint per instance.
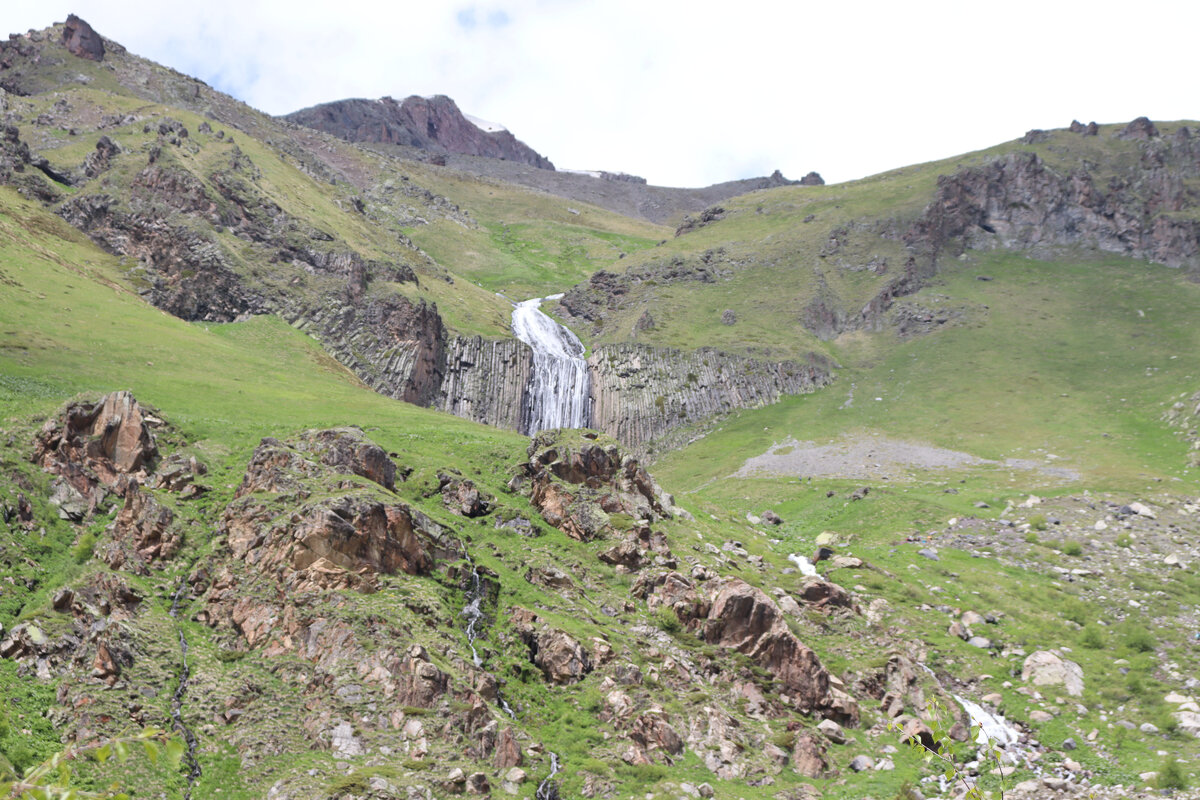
x,y
1171,775
1031,537
1038,522
1092,637
1072,548
1124,540
667,620
84,548
1139,638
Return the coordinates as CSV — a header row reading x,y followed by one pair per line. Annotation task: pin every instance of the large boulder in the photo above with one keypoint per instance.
x,y
80,40
746,619
560,657
348,536
1045,668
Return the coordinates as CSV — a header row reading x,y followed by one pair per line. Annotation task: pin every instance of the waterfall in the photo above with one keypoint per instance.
x,y
473,610
992,727
557,395
803,564
548,789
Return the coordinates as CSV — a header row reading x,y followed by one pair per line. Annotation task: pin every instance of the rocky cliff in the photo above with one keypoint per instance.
x,y
1021,202
428,123
641,393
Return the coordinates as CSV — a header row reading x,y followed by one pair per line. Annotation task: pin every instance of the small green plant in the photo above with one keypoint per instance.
x,y
83,549
1139,638
1171,775
667,620
1031,537
1124,540
943,749
1092,637
1072,548
55,778
1038,522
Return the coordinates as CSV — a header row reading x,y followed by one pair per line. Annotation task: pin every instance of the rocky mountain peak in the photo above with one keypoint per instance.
x,y
430,123
81,40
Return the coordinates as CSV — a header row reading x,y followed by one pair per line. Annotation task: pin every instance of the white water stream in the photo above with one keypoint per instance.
x,y
803,564
557,396
548,789
992,727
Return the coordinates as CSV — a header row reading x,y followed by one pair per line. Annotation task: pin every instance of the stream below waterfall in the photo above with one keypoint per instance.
x,y
473,611
548,789
189,756
558,392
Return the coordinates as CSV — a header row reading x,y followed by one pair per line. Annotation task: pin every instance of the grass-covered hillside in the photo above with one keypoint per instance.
x,y
326,592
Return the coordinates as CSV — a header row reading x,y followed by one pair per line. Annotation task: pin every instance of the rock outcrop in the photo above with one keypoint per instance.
x,y
342,540
746,619
80,40
429,123
641,393
94,449
577,480
1019,202
560,657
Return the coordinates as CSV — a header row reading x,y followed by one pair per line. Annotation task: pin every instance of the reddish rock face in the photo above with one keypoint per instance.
x,y
80,40
339,541
561,659
575,486
430,123
746,619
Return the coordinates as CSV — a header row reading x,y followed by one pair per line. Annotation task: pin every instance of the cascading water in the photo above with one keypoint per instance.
x,y
557,395
992,727
473,611
803,564
189,737
548,789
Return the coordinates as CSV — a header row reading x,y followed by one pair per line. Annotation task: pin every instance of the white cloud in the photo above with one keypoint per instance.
x,y
689,94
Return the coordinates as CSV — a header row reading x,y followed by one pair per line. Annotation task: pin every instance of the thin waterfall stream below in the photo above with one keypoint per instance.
x,y
189,737
548,789
473,611
559,387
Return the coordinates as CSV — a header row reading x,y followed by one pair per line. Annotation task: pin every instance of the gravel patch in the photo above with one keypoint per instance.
x,y
867,457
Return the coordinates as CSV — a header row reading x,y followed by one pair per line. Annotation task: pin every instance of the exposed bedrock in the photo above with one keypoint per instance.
x,y
1020,202
640,393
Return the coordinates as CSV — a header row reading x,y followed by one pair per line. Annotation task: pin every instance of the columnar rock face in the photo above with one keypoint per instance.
x,y
640,393
485,380
430,123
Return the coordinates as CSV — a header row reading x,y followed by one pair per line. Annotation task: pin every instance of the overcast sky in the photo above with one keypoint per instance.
x,y
690,93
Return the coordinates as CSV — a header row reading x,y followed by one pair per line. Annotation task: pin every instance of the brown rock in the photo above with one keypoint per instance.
x,y
561,659
812,179
808,756
745,619
142,533
80,40
462,497
820,593
430,123
421,684
1141,129
92,445
651,733
508,752
576,485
